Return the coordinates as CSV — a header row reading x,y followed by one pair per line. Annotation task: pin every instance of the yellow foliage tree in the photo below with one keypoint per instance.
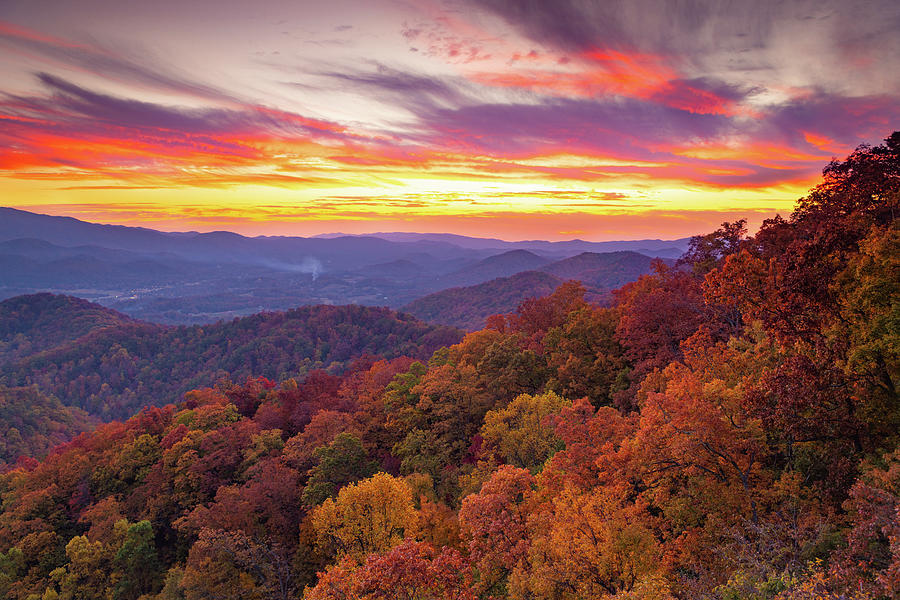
x,y
88,572
371,516
521,434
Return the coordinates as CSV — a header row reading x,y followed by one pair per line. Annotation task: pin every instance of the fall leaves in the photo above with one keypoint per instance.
x,y
727,429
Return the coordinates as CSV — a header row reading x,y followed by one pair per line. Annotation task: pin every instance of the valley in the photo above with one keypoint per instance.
x,y
193,278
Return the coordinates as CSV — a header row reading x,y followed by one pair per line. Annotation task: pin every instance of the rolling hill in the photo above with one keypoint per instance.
x,y
31,424
468,307
602,271
492,267
32,324
109,365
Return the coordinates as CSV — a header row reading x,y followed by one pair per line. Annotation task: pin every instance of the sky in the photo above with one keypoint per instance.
x,y
526,119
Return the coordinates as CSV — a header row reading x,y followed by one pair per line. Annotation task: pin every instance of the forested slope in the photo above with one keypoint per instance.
x,y
38,322
31,424
112,366
727,429
468,307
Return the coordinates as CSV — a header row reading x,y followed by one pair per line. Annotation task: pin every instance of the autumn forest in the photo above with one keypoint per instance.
x,y
723,427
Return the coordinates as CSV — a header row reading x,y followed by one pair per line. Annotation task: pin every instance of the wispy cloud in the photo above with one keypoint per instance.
x,y
112,63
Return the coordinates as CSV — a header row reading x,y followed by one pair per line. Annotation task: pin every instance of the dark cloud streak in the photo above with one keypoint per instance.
x,y
677,28
395,81
111,63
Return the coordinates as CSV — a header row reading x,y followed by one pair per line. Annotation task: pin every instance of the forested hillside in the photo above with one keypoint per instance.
x,y
111,366
32,423
601,271
32,324
726,429
468,307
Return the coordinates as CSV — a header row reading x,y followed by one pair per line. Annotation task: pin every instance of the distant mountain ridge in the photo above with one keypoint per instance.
x,y
199,278
341,253
468,307
67,231
605,271
492,267
651,247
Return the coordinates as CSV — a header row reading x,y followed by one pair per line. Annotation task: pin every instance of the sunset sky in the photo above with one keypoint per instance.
x,y
548,119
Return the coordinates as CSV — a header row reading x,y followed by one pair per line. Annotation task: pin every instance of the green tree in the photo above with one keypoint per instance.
x,y
341,462
137,562
521,434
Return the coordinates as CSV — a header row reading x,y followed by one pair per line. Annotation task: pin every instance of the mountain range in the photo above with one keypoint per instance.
x,y
195,278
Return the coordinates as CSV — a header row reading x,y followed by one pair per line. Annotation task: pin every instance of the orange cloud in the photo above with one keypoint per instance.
x,y
610,72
